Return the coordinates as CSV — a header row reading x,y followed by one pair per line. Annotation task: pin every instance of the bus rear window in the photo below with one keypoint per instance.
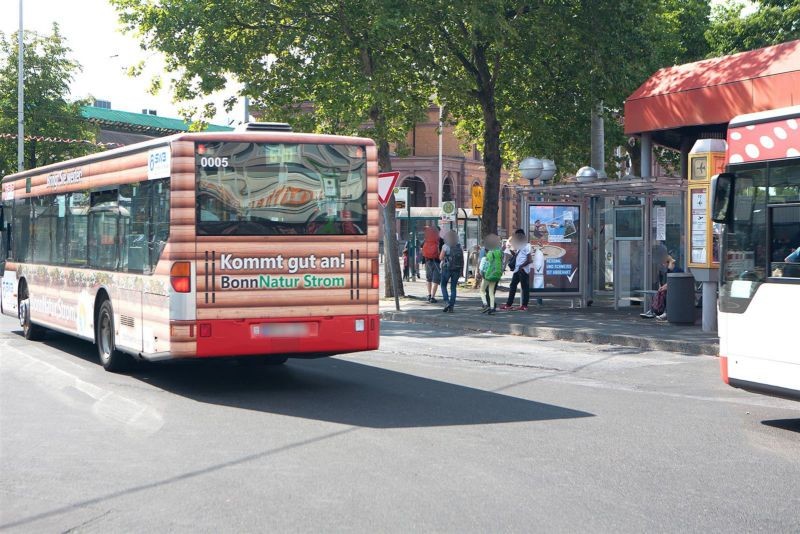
x,y
280,189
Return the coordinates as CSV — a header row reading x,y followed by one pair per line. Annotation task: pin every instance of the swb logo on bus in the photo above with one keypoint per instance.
x,y
158,163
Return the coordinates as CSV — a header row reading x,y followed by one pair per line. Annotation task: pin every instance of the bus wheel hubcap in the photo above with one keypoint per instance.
x,y
105,339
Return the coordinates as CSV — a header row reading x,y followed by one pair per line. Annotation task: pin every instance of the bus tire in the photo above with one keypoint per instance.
x,y
31,332
111,359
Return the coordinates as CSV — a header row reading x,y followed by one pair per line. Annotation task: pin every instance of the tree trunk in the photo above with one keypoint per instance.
x,y
391,251
492,162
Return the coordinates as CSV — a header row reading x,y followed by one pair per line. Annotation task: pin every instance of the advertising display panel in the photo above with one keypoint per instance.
x,y
554,231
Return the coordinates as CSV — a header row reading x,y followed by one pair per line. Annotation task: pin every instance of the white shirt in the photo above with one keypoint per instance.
x,y
522,256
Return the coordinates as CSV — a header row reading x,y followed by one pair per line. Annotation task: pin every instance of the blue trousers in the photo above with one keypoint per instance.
x,y
452,278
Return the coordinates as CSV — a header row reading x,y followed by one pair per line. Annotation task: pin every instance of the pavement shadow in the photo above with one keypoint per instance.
x,y
784,424
334,390
425,330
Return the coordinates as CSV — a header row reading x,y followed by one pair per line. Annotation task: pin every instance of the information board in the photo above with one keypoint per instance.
x,y
554,232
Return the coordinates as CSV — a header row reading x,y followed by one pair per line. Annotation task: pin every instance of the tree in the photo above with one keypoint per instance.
x,y
524,77
327,66
48,110
772,22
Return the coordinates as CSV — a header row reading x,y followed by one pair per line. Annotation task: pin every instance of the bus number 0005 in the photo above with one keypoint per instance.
x,y
213,162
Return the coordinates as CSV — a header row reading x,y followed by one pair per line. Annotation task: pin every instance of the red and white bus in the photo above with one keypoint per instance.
x,y
259,243
758,201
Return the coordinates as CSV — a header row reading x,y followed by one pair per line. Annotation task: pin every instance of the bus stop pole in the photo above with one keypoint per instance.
x,y
389,257
412,244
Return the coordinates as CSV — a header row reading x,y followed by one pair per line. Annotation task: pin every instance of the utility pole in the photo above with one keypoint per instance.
x,y
20,96
246,109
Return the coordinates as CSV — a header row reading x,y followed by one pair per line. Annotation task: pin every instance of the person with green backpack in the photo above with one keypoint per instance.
x,y
491,270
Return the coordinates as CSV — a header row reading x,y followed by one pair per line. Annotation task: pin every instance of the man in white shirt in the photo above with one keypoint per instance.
x,y
522,269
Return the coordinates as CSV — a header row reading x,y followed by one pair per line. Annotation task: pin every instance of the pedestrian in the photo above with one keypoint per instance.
x,y
491,270
521,271
431,249
452,265
405,264
658,306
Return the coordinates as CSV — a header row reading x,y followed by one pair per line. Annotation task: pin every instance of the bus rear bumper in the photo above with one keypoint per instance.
x,y
288,336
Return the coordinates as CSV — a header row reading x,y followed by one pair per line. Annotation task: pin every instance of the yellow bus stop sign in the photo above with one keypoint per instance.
x,y
477,200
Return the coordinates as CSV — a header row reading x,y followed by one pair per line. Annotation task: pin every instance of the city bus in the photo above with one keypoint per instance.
x,y
758,202
258,243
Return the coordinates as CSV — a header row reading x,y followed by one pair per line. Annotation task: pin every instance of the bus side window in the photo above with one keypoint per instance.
x,y
134,220
45,230
159,220
104,230
21,249
77,229
784,220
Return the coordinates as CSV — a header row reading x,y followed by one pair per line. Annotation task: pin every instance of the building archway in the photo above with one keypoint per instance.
x,y
447,189
416,191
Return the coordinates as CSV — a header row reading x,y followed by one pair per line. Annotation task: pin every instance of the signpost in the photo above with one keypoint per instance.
x,y
400,198
448,211
386,184
477,200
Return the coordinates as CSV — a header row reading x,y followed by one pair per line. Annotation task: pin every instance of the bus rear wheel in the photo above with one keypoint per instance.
x,y
112,359
32,332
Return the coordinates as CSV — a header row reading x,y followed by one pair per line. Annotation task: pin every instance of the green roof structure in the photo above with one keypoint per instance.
x,y
140,123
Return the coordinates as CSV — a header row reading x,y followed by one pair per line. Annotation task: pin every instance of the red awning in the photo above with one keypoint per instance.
x,y
713,91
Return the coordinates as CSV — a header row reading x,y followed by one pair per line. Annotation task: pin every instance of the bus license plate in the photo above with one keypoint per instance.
x,y
283,330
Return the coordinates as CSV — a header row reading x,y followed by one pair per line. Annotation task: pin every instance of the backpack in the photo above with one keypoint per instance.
x,y
512,260
454,260
430,247
494,266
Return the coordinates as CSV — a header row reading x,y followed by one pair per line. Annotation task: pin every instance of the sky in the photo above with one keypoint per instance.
x,y
92,31
98,44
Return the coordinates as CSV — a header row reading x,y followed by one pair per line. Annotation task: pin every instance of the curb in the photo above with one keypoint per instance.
x,y
693,348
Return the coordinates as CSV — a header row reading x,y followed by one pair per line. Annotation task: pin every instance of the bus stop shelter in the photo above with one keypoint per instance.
x,y
620,221
678,105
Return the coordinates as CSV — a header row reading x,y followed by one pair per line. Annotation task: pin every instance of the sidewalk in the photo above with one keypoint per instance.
x,y
553,320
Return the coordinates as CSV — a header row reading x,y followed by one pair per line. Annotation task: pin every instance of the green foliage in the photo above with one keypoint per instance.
x,y
341,56
772,22
518,78
323,65
48,110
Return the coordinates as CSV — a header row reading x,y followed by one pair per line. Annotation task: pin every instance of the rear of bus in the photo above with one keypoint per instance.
x,y
759,298
279,238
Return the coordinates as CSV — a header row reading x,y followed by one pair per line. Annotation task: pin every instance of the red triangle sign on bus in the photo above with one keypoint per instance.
x,y
386,183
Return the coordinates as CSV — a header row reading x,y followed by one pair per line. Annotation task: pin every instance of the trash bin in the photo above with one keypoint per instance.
x,y
680,298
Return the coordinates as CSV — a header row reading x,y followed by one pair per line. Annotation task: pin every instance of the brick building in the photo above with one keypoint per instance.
x,y
418,165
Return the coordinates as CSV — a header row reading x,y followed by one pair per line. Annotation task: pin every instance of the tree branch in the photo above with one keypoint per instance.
x,y
454,49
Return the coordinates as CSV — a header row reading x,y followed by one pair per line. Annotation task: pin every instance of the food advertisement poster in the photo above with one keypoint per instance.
x,y
556,247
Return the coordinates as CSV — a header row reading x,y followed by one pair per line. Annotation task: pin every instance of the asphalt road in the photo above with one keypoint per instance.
x,y
437,431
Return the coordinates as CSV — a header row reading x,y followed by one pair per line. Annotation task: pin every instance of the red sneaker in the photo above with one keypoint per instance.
x,y
523,308
506,307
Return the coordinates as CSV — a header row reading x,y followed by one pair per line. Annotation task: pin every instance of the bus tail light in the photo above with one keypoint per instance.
x,y
375,274
180,276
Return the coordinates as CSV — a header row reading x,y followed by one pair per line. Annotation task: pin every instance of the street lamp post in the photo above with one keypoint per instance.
x,y
531,168
20,96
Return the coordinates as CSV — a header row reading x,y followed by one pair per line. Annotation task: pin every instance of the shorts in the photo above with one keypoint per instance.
x,y
432,271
